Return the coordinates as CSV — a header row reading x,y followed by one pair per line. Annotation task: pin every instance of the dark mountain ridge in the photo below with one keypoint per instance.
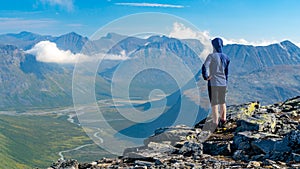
x,y
26,40
23,40
26,82
245,58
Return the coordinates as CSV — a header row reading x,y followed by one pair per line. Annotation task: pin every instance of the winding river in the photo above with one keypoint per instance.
x,y
96,135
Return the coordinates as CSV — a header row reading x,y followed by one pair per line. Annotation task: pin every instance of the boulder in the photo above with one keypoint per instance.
x,y
259,122
293,139
242,140
254,164
240,155
66,164
171,134
243,111
191,148
160,147
217,148
290,142
296,157
263,146
152,150
144,163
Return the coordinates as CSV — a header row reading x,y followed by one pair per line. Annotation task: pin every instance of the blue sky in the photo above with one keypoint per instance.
x,y
252,20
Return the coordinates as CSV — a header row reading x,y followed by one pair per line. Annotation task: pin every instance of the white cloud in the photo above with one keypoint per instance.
x,y
122,56
46,51
68,4
180,31
245,42
233,41
150,5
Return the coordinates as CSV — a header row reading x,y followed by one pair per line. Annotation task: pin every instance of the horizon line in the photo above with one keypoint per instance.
x,y
247,43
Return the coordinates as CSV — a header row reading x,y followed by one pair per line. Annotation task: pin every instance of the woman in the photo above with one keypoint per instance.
x,y
215,71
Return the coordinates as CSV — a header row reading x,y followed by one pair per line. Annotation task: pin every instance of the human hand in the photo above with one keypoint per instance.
x,y
209,77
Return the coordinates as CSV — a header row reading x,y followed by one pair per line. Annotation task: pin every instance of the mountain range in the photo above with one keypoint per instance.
x,y
265,73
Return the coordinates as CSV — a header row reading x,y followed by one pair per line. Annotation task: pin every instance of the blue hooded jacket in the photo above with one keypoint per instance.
x,y
217,65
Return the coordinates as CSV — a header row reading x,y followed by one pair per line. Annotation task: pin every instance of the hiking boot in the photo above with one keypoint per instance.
x,y
221,123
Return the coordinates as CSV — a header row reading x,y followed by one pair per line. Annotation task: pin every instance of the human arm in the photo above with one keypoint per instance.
x,y
226,70
205,67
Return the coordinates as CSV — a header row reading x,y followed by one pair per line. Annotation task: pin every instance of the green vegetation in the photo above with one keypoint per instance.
x,y
34,141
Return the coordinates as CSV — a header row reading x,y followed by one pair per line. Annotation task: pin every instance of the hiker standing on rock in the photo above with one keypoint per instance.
x,y
215,71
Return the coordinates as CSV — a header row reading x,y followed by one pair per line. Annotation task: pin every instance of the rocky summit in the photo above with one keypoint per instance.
x,y
253,136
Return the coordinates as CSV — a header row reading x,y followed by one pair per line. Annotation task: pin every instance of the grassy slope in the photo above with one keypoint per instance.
x,y
34,141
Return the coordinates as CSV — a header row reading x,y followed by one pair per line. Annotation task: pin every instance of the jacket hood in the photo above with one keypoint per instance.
x,y
217,44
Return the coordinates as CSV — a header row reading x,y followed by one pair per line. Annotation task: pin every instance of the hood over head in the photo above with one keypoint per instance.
x,y
217,44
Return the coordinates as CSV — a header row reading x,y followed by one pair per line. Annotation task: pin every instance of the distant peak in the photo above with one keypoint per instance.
x,y
157,38
24,33
8,47
72,33
287,43
112,35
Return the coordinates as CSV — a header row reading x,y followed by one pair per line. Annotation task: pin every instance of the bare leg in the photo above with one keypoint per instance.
x,y
223,111
215,113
